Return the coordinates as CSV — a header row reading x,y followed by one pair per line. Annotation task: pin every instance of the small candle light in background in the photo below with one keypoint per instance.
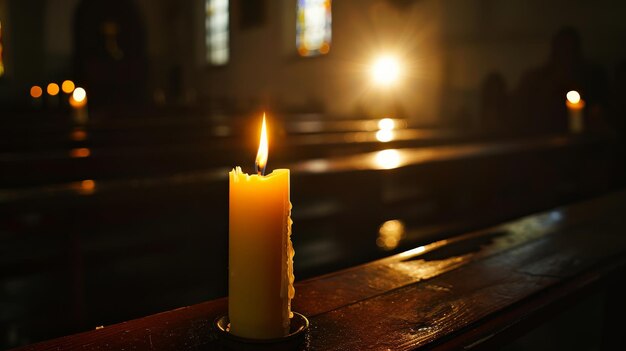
x,y
575,107
260,254
53,91
79,97
78,101
68,86
35,93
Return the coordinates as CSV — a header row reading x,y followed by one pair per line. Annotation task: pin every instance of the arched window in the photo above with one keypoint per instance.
x,y
216,24
313,27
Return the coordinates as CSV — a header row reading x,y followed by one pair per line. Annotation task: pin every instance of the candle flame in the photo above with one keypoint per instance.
x,y
262,154
78,97
573,97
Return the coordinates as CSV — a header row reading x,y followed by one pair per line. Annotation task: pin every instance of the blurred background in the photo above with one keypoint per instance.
x,y
402,121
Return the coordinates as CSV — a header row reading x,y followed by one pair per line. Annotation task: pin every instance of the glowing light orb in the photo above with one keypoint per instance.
x,y
573,97
53,89
386,124
36,92
68,86
385,70
79,94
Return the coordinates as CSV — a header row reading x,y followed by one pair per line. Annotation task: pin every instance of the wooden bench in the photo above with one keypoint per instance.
x,y
67,248
475,291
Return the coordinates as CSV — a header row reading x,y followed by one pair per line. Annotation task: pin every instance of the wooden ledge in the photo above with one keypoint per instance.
x,y
464,292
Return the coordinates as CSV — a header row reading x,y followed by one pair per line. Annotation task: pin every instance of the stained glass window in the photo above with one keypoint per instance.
x,y
1,61
313,27
216,23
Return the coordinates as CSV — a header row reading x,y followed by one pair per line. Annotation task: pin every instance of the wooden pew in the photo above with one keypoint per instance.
x,y
123,150
450,294
119,241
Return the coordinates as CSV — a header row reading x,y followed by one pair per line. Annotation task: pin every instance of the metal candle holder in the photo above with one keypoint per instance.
x,y
297,339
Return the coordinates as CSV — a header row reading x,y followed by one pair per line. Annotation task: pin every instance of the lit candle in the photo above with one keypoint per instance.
x,y
53,95
575,106
35,93
78,101
260,263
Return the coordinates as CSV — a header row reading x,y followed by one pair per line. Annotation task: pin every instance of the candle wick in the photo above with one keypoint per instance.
x,y
260,171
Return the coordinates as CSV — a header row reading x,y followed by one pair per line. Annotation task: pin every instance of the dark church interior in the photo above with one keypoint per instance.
x,y
457,170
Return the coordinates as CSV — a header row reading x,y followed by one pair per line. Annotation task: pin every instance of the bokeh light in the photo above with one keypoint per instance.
x,y
573,97
87,186
68,86
80,152
385,70
36,91
79,94
52,89
390,234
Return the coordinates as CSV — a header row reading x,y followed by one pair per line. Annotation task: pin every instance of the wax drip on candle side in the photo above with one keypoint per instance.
x,y
287,290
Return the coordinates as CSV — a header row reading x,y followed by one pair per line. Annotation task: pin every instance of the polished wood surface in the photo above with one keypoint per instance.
x,y
470,291
152,243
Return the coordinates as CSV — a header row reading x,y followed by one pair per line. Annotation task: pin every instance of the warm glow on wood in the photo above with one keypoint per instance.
x,y
80,152
262,154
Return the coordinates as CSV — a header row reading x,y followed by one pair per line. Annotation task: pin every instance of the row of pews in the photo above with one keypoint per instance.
x,y
139,225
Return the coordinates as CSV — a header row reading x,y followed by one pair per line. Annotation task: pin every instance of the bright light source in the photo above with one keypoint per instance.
x,y
573,97
385,70
386,124
79,94
78,99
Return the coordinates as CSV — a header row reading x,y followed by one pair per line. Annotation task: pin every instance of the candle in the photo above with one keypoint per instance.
x,y
53,91
35,93
78,101
260,262
575,106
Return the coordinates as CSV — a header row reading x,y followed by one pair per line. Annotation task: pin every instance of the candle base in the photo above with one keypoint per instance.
x,y
297,339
